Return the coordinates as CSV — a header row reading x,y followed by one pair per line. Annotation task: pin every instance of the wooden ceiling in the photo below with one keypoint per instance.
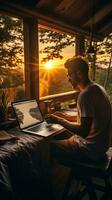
x,y
73,16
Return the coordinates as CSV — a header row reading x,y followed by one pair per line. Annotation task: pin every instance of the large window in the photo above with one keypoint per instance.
x,y
11,57
55,48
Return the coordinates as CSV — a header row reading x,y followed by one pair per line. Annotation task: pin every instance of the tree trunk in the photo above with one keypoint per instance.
x,y
108,72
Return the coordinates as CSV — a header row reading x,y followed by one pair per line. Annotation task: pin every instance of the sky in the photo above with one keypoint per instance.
x,y
67,53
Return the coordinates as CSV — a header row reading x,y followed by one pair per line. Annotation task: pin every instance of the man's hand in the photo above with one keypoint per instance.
x,y
56,119
52,118
66,116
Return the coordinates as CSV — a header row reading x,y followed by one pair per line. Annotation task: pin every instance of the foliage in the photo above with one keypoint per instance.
x,y
104,56
11,52
11,41
20,94
57,42
11,78
105,47
100,78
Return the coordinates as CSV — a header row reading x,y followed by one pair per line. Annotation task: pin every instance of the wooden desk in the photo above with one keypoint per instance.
x,y
26,170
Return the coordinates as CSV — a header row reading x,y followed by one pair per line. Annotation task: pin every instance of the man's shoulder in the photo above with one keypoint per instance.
x,y
95,86
84,96
89,92
92,89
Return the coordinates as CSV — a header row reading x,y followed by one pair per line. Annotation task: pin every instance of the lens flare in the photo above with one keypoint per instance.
x,y
49,65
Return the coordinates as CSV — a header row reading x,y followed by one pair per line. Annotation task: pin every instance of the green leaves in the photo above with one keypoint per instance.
x,y
52,43
11,41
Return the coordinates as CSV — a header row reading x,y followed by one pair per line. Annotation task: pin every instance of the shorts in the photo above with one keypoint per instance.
x,y
67,150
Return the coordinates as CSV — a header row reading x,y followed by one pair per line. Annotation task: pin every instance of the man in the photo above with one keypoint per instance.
x,y
90,139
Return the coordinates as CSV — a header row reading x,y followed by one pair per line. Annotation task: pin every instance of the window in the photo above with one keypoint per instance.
x,y
11,57
100,64
55,48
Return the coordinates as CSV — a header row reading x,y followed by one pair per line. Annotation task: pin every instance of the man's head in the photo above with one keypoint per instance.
x,y
77,71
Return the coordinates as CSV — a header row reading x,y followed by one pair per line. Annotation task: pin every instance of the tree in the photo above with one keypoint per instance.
x,y
53,43
11,41
104,49
11,51
108,72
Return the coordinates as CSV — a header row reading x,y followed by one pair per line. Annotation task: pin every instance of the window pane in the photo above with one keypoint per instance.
x,y
100,63
55,49
11,57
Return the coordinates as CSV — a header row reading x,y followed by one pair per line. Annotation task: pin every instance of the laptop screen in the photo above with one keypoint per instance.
x,y
27,113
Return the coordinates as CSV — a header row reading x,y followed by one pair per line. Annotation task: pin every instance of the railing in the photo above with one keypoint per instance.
x,y
56,100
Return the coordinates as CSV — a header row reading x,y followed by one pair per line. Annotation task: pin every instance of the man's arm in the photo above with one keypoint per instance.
x,y
81,129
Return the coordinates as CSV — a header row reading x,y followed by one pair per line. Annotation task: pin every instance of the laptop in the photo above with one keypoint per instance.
x,y
30,119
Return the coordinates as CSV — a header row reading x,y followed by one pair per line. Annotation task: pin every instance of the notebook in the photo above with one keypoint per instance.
x,y
30,119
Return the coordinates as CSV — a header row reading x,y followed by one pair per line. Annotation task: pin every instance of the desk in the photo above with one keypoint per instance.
x,y
25,168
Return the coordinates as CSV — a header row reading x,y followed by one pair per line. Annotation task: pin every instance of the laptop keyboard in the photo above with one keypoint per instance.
x,y
41,128
36,128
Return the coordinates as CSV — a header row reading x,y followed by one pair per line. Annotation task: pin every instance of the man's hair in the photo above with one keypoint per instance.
x,y
77,63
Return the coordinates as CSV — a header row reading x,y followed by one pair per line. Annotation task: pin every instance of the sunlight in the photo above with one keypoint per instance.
x,y
49,65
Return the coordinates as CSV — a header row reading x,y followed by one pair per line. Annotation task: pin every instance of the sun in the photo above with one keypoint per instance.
x,y
49,65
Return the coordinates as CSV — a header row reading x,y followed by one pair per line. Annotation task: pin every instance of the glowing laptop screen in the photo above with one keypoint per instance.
x,y
27,113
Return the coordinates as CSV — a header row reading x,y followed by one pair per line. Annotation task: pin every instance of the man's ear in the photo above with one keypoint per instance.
x,y
79,76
